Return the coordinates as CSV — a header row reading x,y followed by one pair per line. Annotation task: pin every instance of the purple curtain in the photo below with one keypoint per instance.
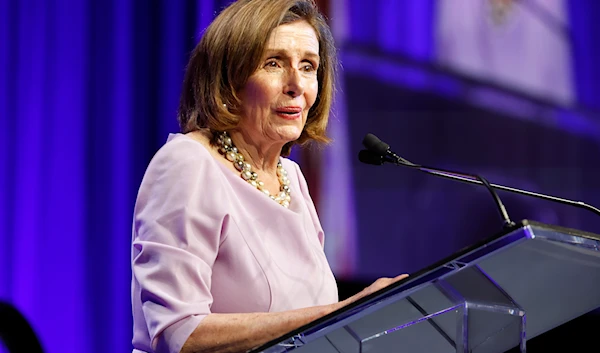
x,y
88,93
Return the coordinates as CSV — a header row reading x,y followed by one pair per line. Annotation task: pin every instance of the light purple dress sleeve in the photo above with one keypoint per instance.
x,y
205,241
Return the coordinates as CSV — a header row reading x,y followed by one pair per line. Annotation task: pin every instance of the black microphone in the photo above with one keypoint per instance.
x,y
369,157
376,147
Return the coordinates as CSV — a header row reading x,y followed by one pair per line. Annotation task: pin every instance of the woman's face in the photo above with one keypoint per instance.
x,y
279,94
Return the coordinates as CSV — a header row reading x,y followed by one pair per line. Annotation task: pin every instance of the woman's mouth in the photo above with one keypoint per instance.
x,y
289,113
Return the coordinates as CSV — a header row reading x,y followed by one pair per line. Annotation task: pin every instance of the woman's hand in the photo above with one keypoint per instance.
x,y
374,287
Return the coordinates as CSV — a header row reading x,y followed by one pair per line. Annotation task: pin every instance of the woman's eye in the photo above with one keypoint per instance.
x,y
271,63
308,67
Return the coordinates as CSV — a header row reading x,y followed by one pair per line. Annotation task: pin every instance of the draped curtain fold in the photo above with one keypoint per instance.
x,y
88,93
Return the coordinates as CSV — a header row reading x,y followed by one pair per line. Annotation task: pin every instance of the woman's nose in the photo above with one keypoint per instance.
x,y
294,86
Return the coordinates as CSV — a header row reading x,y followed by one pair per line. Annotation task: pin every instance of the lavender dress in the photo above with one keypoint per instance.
x,y
205,241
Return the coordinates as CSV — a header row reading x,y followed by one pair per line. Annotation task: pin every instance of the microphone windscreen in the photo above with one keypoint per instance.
x,y
374,144
369,157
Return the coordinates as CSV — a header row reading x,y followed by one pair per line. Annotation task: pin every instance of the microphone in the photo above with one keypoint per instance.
x,y
379,153
369,157
378,147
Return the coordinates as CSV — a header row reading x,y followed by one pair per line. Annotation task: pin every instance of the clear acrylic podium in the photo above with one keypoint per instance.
x,y
488,298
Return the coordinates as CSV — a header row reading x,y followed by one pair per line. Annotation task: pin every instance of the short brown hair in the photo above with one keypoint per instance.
x,y
231,50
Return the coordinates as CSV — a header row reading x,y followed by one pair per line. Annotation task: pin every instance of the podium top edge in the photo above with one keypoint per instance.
x,y
543,226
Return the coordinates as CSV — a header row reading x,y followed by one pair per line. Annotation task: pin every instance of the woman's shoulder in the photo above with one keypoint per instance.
x,y
182,156
183,148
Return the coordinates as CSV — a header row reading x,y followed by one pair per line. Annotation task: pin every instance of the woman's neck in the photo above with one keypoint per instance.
x,y
263,157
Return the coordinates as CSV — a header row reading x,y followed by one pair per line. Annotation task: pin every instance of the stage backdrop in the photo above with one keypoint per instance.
x,y
492,87
88,93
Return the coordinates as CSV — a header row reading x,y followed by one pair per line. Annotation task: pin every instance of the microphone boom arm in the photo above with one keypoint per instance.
x,y
468,179
378,152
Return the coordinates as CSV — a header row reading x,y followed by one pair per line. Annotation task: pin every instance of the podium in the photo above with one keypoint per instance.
x,y
487,298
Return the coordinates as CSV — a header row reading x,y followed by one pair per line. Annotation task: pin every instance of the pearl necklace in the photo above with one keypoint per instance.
x,y
231,153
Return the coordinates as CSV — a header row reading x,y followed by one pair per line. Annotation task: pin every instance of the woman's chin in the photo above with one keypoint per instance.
x,y
289,133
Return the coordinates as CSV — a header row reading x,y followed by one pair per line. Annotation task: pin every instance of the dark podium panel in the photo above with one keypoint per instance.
x,y
485,299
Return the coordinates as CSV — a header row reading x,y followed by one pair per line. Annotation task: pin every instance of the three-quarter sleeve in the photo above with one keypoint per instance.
x,y
178,227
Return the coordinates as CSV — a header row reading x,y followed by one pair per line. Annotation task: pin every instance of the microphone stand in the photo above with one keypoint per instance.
x,y
378,152
472,179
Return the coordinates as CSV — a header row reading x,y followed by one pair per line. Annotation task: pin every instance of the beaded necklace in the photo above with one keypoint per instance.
x,y
232,154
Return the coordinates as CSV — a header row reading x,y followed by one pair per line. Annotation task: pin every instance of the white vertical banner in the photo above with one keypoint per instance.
x,y
336,205
521,44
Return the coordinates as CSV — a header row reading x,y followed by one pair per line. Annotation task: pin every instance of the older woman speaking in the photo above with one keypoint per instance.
x,y
227,246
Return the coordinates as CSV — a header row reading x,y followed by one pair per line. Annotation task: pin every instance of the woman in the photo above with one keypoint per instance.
x,y
227,246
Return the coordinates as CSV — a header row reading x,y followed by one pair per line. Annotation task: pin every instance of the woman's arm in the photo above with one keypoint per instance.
x,y
241,332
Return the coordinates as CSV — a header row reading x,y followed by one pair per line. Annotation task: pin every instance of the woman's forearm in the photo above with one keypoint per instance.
x,y
241,332
229,333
